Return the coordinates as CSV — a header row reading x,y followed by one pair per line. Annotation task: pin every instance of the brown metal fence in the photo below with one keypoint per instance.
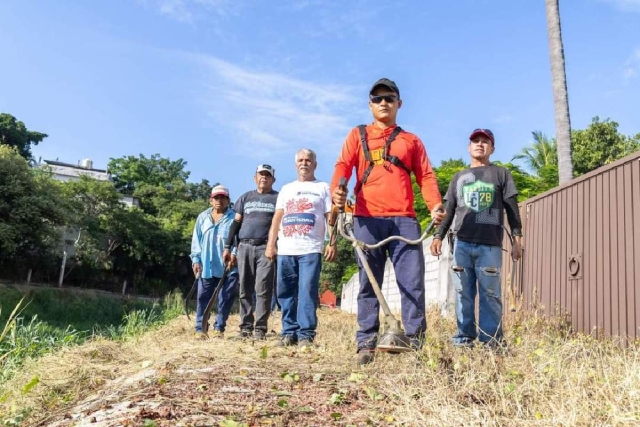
x,y
582,251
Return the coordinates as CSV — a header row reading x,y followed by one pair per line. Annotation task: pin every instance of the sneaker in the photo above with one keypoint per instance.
x,y
498,347
305,343
216,334
365,356
242,335
200,336
259,335
286,341
462,344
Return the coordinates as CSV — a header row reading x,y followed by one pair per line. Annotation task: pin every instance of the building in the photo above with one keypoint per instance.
x,y
69,172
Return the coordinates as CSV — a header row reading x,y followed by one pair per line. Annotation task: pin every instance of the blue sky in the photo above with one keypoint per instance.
x,y
229,84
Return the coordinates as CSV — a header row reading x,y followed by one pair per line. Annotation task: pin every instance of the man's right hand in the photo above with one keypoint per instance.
x,y
436,247
197,269
438,213
226,256
339,196
271,253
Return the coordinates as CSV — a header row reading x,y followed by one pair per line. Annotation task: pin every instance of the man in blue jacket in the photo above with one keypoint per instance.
x,y
207,245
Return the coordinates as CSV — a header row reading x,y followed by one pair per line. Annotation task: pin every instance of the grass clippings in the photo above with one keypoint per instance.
x,y
548,376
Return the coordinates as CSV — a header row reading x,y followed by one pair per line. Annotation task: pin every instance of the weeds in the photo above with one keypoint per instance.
x,y
26,337
548,376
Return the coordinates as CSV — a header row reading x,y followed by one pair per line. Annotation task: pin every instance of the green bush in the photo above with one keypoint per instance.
x,y
40,321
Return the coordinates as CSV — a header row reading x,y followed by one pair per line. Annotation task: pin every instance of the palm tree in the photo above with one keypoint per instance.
x,y
542,152
560,97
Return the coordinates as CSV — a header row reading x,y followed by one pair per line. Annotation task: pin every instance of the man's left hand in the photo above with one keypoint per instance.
x,y
233,261
330,253
438,213
516,249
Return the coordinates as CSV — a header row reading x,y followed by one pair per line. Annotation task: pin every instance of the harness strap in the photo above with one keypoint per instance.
x,y
394,160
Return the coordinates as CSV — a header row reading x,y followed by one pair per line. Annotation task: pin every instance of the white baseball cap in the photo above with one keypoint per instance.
x,y
266,168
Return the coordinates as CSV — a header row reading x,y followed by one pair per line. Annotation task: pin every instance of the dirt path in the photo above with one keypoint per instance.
x,y
167,378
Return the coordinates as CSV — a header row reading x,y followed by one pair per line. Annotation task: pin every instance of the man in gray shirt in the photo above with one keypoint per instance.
x,y
476,201
254,212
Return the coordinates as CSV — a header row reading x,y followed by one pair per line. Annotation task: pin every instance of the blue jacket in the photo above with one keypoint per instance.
x,y
207,242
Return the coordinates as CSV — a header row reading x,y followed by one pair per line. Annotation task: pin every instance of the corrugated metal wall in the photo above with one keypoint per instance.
x,y
582,251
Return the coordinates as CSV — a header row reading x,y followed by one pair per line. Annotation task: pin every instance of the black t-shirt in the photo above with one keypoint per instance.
x,y
257,211
477,195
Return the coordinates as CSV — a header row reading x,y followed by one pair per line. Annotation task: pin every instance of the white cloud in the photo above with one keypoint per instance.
x,y
276,114
626,5
189,11
631,67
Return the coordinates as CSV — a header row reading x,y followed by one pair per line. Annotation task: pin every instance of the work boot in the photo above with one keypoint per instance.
x,y
216,334
306,342
259,335
242,335
200,336
365,356
416,344
286,341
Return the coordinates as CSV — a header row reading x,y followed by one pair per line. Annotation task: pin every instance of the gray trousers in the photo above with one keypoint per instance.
x,y
257,275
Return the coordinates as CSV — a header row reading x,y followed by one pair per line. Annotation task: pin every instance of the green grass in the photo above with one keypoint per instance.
x,y
40,321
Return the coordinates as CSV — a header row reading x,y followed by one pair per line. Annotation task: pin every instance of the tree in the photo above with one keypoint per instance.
x,y
128,173
600,144
333,272
15,134
445,172
542,152
96,220
201,190
530,185
560,96
31,209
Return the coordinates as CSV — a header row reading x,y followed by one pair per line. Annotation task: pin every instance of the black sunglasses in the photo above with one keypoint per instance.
x,y
377,99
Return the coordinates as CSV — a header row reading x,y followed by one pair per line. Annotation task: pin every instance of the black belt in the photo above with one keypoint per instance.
x,y
254,242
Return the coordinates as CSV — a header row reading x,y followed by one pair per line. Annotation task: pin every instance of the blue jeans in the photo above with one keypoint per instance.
x,y
298,283
476,270
225,299
408,264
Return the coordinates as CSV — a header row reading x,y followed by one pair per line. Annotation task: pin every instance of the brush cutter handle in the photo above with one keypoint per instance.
x,y
190,294
214,297
381,243
335,211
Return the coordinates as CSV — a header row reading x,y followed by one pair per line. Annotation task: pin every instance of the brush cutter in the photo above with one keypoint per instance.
x,y
190,294
514,266
393,339
212,301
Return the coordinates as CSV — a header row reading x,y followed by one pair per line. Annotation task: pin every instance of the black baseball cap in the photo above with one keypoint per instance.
x,y
483,132
389,84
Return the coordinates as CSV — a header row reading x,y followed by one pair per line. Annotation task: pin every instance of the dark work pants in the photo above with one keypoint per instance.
x,y
206,287
257,275
408,264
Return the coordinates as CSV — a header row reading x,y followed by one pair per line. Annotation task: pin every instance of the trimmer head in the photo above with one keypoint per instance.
x,y
393,340
394,343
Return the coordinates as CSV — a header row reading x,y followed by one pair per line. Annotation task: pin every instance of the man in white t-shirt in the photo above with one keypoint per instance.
x,y
299,227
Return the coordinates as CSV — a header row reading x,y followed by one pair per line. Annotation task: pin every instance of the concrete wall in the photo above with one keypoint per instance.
x,y
438,284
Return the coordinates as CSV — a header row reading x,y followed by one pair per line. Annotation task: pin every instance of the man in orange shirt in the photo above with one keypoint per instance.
x,y
384,157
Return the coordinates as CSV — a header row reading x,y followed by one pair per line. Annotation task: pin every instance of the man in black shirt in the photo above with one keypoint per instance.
x,y
475,201
254,212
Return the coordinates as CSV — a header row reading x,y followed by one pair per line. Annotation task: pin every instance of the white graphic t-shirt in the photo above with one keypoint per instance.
x,y
302,230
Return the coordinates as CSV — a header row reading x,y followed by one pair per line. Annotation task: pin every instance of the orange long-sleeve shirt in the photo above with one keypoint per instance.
x,y
388,190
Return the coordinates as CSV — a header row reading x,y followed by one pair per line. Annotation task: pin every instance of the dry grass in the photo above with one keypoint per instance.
x,y
549,377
